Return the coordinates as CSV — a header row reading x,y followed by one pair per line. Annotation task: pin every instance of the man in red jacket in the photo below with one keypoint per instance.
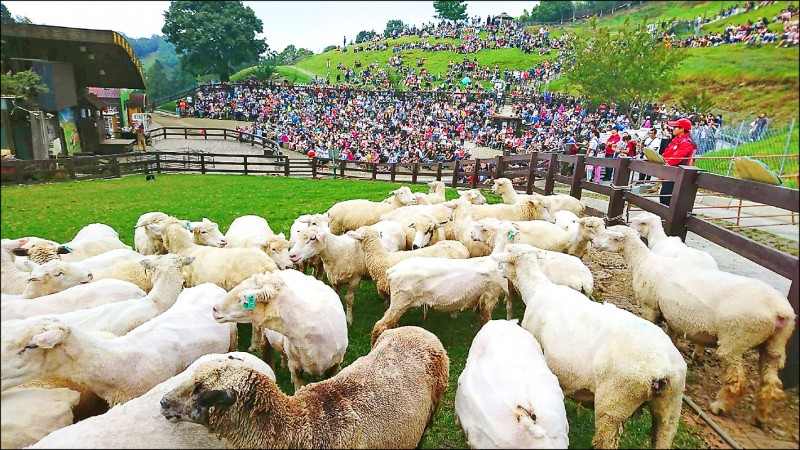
x,y
679,152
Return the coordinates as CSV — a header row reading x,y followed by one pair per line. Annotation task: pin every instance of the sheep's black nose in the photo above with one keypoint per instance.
x,y
164,403
414,247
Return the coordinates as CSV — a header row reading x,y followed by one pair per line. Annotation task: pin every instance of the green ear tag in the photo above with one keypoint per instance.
x,y
250,303
69,250
188,225
511,234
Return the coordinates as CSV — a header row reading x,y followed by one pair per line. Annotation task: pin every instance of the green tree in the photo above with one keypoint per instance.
x,y
364,36
156,80
262,72
450,9
213,37
22,84
329,48
553,11
292,55
394,26
701,103
5,14
625,65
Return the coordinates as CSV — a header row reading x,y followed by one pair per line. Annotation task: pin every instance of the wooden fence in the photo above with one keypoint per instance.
x,y
271,148
523,170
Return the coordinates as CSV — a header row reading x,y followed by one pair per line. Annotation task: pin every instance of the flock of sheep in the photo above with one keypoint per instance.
x,y
151,332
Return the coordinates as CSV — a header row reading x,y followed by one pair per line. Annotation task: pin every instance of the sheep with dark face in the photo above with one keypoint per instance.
x,y
385,399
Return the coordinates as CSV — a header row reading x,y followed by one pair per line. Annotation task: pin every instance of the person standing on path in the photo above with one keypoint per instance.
x,y
679,152
140,138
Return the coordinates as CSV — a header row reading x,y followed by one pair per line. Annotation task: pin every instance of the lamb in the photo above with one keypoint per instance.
x,y
385,399
121,317
122,368
378,259
649,226
254,232
351,214
532,208
306,311
564,218
526,405
302,222
435,195
341,256
712,308
600,353
147,242
462,221
53,277
473,196
538,233
447,285
582,233
74,298
91,240
138,423
30,414
410,214
555,202
225,267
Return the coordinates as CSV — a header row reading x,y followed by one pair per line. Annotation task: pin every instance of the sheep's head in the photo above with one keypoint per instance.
x,y
422,199
501,186
239,304
612,239
516,259
305,221
207,233
169,265
309,243
644,223
539,210
404,196
436,187
474,196
277,247
424,228
168,229
209,386
24,345
55,276
42,252
591,227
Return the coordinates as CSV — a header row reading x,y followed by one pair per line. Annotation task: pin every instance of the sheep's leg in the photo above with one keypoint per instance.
x,y
733,383
772,357
294,370
317,270
509,307
612,410
699,353
389,319
665,409
257,338
484,310
349,297
234,343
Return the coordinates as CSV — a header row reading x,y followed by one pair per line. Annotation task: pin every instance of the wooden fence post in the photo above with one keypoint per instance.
x,y
532,172
252,140
394,171
683,196
244,160
475,172
286,166
498,168
205,134
342,165
789,375
454,183
552,169
314,167
438,172
158,163
414,172
71,168
578,174
202,163
18,178
186,133
374,171
115,166
616,202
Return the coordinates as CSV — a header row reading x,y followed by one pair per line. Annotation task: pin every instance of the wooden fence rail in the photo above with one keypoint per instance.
x,y
523,170
271,147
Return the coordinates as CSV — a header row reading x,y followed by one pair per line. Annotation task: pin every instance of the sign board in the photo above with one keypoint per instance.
x,y
140,118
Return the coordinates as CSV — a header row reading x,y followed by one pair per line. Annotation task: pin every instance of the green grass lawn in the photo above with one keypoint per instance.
x,y
58,211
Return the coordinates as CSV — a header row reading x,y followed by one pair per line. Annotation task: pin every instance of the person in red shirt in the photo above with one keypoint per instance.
x,y
679,152
610,144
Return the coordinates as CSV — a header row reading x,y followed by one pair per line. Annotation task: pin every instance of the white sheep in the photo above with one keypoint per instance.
x,y
301,223
119,318
419,229
30,414
407,215
581,234
447,285
378,259
385,399
393,236
532,208
564,218
253,231
138,423
507,397
225,267
52,277
306,311
38,253
91,240
121,368
649,226
104,260
77,297
13,280
600,353
462,223
712,308
435,194
473,196
351,214
560,268
555,202
147,242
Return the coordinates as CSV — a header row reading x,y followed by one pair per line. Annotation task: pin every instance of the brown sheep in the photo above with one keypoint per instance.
x,y
385,399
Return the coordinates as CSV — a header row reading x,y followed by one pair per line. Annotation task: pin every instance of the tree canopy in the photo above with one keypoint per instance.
x,y
552,11
213,37
393,27
364,36
450,9
22,84
625,65
157,80
292,55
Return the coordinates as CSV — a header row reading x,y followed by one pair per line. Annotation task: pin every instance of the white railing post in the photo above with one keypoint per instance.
x,y
786,150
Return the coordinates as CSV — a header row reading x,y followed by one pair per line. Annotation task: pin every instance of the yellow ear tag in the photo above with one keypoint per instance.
x,y
250,303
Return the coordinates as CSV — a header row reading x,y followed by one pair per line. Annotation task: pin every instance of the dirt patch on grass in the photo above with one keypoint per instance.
x,y
703,380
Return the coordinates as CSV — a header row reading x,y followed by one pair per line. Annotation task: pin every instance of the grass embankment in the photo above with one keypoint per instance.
x,y
58,211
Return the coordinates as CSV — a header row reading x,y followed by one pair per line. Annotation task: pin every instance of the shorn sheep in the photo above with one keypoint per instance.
x,y
138,423
254,232
448,285
600,353
30,414
52,277
351,214
91,240
525,405
378,259
306,311
225,267
649,226
121,368
301,223
556,202
712,308
385,399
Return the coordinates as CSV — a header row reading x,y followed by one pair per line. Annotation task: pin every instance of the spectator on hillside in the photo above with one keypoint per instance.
x,y
760,126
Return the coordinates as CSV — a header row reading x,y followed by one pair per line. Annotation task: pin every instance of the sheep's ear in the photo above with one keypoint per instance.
x,y
412,225
53,335
282,236
63,250
355,235
155,228
217,397
185,261
451,204
619,237
206,220
260,242
503,257
20,251
32,279
441,224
